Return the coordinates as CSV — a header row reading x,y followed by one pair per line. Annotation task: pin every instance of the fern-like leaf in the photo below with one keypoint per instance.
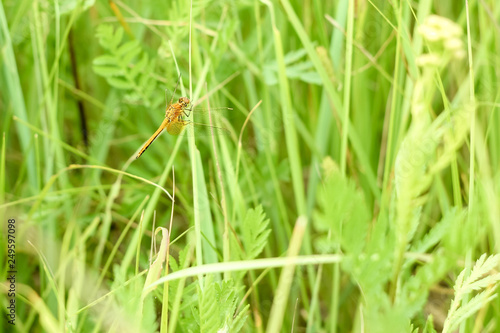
x,y
437,232
255,232
468,310
429,325
240,319
466,284
217,306
343,212
209,309
125,66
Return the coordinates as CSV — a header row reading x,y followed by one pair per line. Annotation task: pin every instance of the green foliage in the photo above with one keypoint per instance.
x,y
429,326
438,232
131,305
415,291
399,106
295,69
343,212
217,306
479,278
176,266
125,66
253,239
255,232
68,6
210,308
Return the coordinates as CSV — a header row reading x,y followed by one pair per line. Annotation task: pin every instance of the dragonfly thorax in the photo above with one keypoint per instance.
x,y
184,101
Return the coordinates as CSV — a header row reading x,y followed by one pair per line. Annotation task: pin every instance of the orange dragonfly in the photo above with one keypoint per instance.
x,y
176,124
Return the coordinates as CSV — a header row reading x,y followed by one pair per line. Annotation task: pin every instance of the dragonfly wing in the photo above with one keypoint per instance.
x,y
176,127
200,129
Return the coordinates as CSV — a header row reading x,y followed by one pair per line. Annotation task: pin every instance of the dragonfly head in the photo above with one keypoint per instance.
x,y
184,101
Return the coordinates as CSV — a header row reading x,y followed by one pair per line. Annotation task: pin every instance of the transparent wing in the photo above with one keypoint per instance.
x,y
201,126
198,129
169,97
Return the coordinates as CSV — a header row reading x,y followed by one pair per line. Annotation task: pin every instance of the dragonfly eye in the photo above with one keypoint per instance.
x,y
184,101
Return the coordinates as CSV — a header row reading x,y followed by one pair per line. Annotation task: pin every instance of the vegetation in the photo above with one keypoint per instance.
x,y
357,189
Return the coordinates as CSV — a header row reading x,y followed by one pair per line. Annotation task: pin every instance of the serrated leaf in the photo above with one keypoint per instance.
x,y
150,83
108,71
148,322
128,57
173,264
140,66
429,325
143,78
116,39
237,253
482,267
240,319
209,307
255,232
476,303
343,212
105,59
119,83
459,281
437,232
104,33
414,292
127,47
482,283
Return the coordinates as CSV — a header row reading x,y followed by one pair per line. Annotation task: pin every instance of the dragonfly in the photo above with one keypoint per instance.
x,y
175,122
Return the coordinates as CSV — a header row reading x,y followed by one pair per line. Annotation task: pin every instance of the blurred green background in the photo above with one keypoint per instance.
x,y
363,136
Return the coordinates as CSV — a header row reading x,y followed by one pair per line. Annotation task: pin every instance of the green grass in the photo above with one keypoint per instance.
x,y
358,189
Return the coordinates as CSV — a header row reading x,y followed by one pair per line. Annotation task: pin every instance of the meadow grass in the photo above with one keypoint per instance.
x,y
357,189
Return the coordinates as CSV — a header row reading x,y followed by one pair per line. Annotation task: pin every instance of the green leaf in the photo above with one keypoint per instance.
x,y
118,67
343,212
104,33
209,307
476,303
140,66
156,267
429,325
108,71
437,232
119,83
127,47
116,39
128,57
240,319
69,5
298,68
415,290
105,59
293,56
255,232
310,77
